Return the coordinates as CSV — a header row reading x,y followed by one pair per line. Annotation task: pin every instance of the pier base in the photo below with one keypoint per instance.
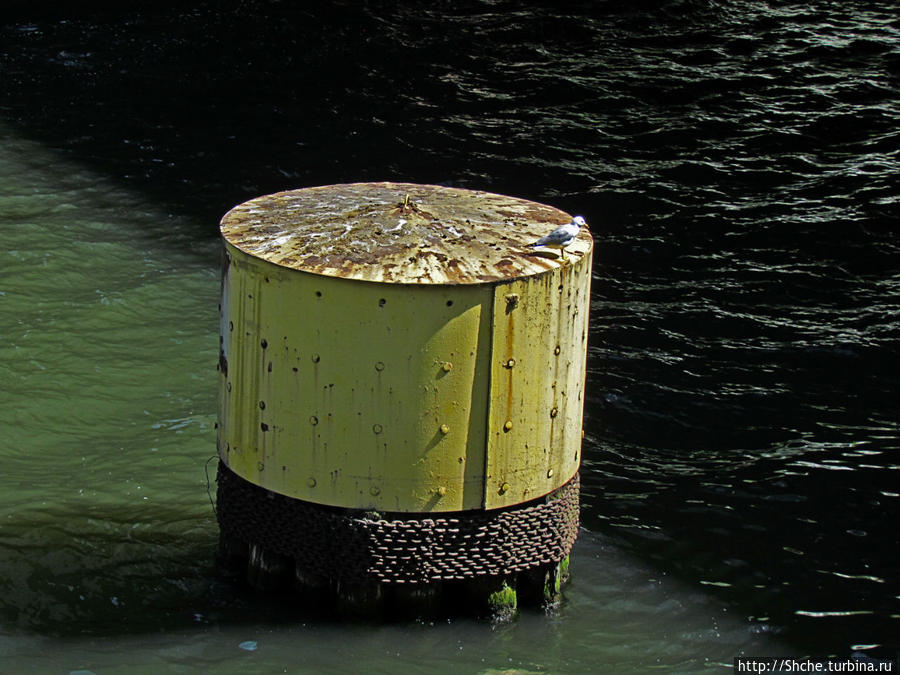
x,y
374,565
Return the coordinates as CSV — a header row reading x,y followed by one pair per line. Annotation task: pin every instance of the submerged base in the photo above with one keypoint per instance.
x,y
366,563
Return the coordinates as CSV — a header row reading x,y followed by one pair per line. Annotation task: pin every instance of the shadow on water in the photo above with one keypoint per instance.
x,y
146,570
213,103
207,105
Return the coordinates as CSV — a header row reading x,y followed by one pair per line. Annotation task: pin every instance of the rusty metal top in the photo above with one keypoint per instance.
x,y
401,233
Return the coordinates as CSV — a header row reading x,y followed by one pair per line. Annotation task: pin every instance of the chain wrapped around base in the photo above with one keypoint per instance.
x,y
352,546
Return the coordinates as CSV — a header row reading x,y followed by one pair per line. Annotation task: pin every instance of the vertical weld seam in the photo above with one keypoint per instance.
x,y
490,397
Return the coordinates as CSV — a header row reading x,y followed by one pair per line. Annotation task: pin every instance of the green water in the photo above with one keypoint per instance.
x,y
108,344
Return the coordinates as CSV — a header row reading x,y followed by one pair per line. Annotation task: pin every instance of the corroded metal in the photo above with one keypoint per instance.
x,y
398,233
453,383
538,359
330,545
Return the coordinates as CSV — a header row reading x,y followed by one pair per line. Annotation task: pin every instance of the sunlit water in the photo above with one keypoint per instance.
x,y
737,163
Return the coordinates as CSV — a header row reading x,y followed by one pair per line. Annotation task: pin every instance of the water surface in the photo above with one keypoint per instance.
x,y
737,164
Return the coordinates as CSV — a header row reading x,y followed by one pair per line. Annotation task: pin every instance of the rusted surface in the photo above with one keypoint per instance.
x,y
399,233
348,546
538,362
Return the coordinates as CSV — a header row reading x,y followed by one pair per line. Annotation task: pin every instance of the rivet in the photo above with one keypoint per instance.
x,y
549,473
374,490
557,350
510,363
262,405
313,420
311,482
503,488
377,428
260,466
263,343
554,412
445,429
379,366
508,425
315,358
447,366
441,491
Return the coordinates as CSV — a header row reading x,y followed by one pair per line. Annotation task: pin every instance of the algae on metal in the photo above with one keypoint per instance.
x,y
503,603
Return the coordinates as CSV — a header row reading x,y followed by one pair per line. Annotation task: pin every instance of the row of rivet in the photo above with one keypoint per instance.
x,y
440,491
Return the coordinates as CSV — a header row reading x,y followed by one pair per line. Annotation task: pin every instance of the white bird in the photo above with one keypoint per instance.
x,y
562,236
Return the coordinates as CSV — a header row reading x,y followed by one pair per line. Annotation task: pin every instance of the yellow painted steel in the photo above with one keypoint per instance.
x,y
355,394
538,359
450,387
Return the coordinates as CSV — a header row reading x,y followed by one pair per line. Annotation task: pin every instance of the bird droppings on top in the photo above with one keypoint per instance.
x,y
399,233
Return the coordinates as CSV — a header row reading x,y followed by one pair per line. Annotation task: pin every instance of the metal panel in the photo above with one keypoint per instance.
x,y
354,394
538,356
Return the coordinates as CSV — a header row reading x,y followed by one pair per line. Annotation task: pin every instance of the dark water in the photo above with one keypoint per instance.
x,y
737,163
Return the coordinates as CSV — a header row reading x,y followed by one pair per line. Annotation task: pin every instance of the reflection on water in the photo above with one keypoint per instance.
x,y
737,162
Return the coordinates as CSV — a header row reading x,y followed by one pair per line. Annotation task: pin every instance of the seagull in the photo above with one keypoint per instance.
x,y
562,236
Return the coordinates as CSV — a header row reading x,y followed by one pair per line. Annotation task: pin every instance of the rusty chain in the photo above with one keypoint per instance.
x,y
353,546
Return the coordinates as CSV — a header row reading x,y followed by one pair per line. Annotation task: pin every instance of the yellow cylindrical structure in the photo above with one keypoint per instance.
x,y
398,347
